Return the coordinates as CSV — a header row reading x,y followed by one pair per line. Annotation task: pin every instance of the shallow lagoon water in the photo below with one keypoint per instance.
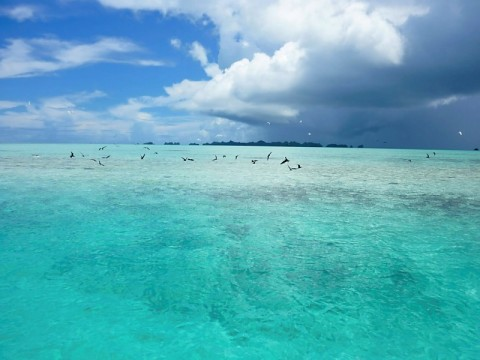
x,y
360,254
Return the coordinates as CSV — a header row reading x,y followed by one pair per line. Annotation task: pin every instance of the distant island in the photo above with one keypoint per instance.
x,y
277,143
171,143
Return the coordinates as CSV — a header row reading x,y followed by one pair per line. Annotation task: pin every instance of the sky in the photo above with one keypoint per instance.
x,y
378,73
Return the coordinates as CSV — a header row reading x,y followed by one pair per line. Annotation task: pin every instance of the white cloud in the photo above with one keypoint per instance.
x,y
270,47
5,104
24,58
131,122
198,52
148,63
444,101
20,120
239,92
21,13
176,43
370,28
54,109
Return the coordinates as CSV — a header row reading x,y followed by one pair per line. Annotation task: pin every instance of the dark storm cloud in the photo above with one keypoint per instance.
x,y
442,53
404,102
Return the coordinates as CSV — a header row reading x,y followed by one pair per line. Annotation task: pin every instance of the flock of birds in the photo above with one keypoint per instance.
x,y
253,161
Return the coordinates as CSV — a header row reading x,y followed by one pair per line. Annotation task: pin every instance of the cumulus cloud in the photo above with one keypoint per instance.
x,y
248,91
277,57
246,28
32,57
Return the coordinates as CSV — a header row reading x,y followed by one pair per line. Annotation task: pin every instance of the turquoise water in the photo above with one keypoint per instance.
x,y
360,254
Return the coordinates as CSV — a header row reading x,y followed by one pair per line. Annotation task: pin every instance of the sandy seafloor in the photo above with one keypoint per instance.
x,y
360,254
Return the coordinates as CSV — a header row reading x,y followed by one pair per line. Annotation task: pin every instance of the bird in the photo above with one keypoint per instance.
x,y
284,161
224,156
190,159
268,156
82,155
102,148
71,154
94,160
215,158
298,166
146,147
184,159
99,163
141,157
236,156
428,156
254,161
105,157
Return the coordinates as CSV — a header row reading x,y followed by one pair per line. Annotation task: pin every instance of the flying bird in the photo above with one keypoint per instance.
x,y
141,157
284,161
268,156
71,154
460,133
215,158
102,148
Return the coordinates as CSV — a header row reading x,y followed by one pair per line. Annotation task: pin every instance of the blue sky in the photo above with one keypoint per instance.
x,y
381,73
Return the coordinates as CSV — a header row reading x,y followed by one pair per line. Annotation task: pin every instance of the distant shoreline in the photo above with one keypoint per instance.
x,y
279,143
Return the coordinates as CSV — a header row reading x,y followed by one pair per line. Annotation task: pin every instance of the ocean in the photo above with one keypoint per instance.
x,y
357,254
